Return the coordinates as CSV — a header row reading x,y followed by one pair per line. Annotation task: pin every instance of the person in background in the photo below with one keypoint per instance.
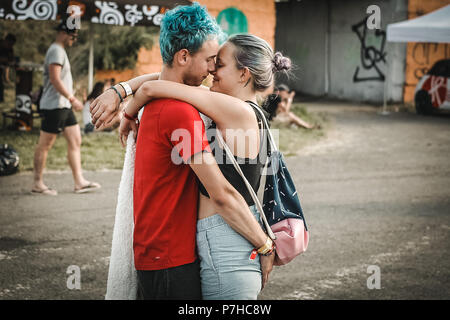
x,y
279,104
110,83
6,61
56,106
98,89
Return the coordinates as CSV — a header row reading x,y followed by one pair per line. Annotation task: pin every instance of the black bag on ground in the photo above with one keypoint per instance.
x,y
9,160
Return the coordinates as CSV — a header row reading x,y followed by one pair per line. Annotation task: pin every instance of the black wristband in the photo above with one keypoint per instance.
x,y
118,93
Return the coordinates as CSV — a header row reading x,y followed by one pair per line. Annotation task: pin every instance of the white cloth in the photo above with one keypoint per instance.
x,y
122,276
87,113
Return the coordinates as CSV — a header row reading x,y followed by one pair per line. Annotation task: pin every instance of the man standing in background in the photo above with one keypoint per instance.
x,y
6,61
56,106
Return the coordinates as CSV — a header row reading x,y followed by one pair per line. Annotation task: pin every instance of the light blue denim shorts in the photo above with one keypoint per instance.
x,y
226,271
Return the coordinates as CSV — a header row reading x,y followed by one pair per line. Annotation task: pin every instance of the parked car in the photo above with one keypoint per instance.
x,y
433,90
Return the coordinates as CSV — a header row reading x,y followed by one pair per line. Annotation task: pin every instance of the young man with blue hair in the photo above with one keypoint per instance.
x,y
166,194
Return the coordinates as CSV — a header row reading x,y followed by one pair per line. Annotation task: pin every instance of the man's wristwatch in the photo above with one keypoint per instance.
x,y
71,98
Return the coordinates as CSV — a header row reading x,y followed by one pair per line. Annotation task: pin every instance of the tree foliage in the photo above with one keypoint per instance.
x,y
115,47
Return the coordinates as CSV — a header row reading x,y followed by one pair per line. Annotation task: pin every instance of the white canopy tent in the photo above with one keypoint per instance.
x,y
433,27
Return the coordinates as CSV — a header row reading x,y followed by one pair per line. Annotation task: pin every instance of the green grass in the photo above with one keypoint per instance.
x,y
102,150
292,138
99,151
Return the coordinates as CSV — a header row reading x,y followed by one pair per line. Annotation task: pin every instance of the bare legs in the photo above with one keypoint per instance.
x,y
46,141
73,137
285,108
298,121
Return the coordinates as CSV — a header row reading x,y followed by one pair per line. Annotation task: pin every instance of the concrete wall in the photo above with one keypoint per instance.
x,y
261,22
322,39
300,34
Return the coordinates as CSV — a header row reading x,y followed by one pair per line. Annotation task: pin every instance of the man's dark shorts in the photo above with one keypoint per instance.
x,y
55,121
177,283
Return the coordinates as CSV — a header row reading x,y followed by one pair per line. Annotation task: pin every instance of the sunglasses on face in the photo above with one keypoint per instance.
x,y
73,37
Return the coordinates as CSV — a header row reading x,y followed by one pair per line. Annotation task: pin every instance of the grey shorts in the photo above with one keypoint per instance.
x,y
226,271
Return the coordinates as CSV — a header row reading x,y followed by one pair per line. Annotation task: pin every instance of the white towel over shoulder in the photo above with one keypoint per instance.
x,y
122,277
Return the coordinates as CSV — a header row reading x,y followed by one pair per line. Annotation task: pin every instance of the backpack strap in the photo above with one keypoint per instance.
x,y
247,184
273,146
268,136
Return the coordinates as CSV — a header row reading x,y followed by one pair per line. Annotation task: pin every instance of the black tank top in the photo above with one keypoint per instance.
x,y
252,168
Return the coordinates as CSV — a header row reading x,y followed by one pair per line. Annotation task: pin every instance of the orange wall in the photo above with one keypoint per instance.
x,y
421,56
261,20
260,15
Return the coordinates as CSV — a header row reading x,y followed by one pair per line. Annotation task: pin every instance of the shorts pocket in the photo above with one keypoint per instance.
x,y
209,275
204,251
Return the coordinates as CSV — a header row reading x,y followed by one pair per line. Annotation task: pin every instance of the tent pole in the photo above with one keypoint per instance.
x,y
384,112
327,53
91,60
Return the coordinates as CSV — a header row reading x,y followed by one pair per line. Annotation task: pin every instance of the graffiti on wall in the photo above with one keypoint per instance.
x,y
104,12
371,56
232,21
425,54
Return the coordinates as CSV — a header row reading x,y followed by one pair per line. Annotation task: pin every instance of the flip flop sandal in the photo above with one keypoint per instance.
x,y
47,192
87,188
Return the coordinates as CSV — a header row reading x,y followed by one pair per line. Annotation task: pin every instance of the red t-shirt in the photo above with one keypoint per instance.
x,y
165,188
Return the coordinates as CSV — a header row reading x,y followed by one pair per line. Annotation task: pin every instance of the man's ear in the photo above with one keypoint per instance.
x,y
182,57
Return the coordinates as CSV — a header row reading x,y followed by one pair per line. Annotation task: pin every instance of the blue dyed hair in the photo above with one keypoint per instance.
x,y
187,27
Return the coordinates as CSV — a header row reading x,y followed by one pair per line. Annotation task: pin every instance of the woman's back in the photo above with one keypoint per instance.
x,y
250,166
